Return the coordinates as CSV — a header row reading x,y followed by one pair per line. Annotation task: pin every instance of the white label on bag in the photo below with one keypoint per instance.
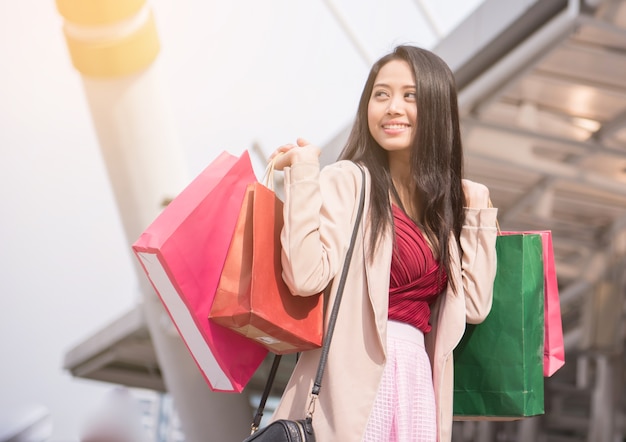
x,y
268,340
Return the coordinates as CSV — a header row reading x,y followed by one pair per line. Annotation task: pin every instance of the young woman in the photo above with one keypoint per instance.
x,y
423,266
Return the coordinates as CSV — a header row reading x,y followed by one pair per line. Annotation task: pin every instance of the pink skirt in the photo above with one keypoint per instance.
x,y
404,409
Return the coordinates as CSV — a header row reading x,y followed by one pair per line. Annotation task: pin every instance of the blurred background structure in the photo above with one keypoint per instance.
x,y
109,107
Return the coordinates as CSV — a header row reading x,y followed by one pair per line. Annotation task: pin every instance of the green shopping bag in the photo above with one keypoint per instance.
x,y
498,365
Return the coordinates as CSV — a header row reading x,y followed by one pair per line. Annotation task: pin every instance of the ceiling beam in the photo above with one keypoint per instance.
x,y
565,172
430,19
610,128
349,32
494,81
585,147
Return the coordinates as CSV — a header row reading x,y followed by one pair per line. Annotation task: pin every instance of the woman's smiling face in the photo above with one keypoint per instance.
x,y
392,107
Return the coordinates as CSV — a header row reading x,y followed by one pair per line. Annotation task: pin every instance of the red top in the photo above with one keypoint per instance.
x,y
416,277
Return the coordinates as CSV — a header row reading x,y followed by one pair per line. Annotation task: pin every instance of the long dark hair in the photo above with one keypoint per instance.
x,y
436,154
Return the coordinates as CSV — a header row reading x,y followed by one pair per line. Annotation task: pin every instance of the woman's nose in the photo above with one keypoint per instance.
x,y
393,107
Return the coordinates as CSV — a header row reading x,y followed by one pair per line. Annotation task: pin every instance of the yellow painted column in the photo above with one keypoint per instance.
x,y
109,38
114,45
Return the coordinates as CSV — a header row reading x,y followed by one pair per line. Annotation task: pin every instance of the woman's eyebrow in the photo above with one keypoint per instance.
x,y
406,86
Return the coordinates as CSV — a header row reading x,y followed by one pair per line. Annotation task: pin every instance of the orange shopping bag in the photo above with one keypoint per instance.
x,y
252,298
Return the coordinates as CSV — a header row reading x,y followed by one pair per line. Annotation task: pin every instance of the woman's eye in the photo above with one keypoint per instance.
x,y
410,95
380,94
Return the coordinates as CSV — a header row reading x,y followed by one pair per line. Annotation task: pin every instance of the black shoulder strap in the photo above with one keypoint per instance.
x,y
317,385
342,282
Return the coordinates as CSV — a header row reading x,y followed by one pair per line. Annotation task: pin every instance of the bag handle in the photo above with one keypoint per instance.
x,y
266,392
490,205
317,385
268,176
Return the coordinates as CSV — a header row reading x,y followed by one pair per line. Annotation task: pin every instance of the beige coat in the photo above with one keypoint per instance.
x,y
320,210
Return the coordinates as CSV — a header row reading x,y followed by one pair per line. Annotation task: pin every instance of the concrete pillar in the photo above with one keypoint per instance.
x,y
528,430
114,46
485,431
602,410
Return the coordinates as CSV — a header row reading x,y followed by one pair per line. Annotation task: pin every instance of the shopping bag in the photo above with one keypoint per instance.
x,y
553,346
498,365
252,298
183,251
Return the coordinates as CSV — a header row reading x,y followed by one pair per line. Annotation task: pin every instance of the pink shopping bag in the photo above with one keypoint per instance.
x,y
183,251
554,348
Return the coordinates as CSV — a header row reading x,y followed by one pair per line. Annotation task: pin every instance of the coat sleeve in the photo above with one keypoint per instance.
x,y
478,265
319,213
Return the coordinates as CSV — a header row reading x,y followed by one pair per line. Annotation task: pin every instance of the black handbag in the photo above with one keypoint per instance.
x,y
301,430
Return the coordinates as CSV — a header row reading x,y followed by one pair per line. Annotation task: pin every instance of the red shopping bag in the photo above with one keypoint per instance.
x,y
183,251
554,348
252,298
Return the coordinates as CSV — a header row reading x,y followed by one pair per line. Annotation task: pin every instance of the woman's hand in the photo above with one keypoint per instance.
x,y
289,154
476,194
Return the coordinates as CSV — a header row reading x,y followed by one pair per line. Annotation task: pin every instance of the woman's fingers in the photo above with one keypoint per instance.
x,y
287,154
282,149
281,160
